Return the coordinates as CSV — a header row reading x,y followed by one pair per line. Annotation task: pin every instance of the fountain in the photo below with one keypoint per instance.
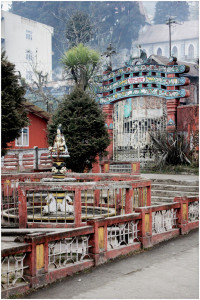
x,y
73,198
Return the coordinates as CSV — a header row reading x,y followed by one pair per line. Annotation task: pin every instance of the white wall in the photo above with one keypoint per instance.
x,y
16,44
182,47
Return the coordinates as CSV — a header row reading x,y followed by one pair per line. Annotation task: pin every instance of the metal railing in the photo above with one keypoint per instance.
x,y
164,220
122,234
12,270
68,250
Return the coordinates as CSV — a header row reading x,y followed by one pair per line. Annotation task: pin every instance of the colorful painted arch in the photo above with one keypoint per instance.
x,y
162,93
143,68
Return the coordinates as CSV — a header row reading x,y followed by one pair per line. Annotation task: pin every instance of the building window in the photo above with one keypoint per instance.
x,y
175,51
29,75
28,55
191,51
159,51
23,140
28,35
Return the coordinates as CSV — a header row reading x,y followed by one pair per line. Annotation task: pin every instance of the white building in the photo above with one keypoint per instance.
x,y
155,40
28,44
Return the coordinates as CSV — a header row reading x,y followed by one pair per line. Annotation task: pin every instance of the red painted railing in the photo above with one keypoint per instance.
x,y
50,256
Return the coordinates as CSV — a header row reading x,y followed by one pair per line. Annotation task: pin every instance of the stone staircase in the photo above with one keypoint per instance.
x,y
163,190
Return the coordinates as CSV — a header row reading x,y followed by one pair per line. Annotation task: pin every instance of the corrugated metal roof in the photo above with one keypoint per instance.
x,y
160,33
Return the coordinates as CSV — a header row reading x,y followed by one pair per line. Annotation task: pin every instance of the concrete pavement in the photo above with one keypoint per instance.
x,y
167,271
176,177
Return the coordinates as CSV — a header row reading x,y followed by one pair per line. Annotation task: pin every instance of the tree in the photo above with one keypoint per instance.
x,y
79,29
164,9
83,125
81,62
36,88
113,21
13,114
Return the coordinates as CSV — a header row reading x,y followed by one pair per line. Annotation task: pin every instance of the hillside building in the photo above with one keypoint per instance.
x,y
154,39
28,45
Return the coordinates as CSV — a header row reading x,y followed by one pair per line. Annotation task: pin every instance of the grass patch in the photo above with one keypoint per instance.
x,y
169,169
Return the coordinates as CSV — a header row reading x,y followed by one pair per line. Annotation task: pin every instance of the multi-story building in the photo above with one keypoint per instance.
x,y
154,39
28,44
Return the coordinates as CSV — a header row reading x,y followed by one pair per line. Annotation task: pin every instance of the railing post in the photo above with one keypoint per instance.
x,y
129,201
77,208
98,242
36,157
182,214
118,201
145,226
37,259
22,208
149,195
96,197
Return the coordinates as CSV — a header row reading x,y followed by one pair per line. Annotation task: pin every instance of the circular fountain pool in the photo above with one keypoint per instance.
x,y
36,214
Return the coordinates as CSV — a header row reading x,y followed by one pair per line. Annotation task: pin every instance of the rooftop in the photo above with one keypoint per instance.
x,y
37,110
163,60
183,31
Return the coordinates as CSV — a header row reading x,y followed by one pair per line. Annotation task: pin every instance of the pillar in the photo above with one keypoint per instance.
x,y
22,208
108,110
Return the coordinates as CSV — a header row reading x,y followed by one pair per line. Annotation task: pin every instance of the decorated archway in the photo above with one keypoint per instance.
x,y
136,99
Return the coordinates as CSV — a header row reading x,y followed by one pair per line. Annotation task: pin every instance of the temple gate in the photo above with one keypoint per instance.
x,y
139,99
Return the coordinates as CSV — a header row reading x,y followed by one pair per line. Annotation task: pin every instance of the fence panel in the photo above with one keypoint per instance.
x,y
12,270
9,203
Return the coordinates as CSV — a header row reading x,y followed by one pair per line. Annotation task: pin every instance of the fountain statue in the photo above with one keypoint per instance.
x,y
59,153
59,146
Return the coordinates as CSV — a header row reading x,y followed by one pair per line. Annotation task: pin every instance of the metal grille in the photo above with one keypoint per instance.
x,y
50,207
193,211
120,168
139,197
132,120
122,234
164,220
12,270
9,203
69,250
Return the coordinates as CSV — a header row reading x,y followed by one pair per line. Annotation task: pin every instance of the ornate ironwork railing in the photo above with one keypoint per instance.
x,y
122,234
164,220
68,250
193,211
12,270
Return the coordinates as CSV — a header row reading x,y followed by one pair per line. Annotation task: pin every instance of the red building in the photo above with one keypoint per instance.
x,y
36,133
30,150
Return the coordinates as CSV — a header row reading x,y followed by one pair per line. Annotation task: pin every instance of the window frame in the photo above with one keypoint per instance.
x,y
29,34
29,55
22,138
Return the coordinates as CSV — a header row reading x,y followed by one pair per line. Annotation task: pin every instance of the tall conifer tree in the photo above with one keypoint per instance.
x,y
83,125
13,114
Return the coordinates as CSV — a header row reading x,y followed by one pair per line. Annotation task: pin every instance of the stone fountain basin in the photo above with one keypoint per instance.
x,y
37,215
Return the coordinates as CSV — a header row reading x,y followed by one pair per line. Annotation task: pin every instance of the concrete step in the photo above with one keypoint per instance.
x,y
155,199
176,182
170,193
177,187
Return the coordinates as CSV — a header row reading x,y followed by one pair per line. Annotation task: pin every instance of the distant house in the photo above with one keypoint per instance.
x,y
28,45
30,150
185,40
